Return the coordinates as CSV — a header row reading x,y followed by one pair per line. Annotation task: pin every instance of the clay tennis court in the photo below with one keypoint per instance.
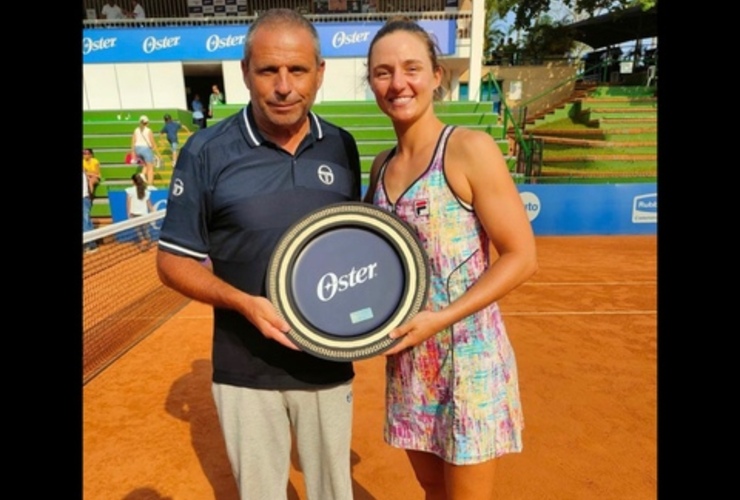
x,y
585,333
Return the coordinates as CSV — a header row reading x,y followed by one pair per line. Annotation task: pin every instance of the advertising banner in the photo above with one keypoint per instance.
x,y
223,43
591,209
553,210
117,201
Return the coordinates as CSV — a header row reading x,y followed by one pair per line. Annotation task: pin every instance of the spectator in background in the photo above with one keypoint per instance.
x,y
111,11
199,119
145,147
510,53
170,129
87,224
216,99
138,11
497,56
91,167
138,203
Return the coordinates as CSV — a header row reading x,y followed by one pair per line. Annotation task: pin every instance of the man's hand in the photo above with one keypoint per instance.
x,y
262,314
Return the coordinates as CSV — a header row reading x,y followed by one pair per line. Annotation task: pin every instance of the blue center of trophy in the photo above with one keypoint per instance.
x,y
347,282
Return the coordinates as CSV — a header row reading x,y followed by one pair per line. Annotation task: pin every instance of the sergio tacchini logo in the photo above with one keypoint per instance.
x,y
326,175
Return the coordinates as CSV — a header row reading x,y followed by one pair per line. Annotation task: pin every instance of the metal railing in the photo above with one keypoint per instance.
x,y
522,145
529,150
157,10
224,21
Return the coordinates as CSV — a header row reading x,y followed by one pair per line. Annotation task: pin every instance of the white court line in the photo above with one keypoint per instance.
x,y
577,313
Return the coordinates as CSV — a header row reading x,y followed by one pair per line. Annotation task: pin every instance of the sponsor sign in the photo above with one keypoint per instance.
x,y
203,43
591,209
346,275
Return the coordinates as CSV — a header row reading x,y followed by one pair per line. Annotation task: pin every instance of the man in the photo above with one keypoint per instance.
x,y
238,186
199,119
215,99
111,10
138,11
171,129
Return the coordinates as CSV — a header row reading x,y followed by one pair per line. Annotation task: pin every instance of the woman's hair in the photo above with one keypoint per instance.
x,y
140,184
281,17
403,23
88,150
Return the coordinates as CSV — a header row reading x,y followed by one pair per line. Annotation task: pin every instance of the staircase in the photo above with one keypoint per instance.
x,y
601,133
374,132
108,133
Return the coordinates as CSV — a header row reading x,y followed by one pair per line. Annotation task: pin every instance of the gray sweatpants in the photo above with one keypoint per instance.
x,y
258,425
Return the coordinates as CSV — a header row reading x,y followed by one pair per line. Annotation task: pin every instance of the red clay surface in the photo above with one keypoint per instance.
x,y
585,333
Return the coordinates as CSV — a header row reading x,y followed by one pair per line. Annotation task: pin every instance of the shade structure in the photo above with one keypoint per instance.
x,y
616,27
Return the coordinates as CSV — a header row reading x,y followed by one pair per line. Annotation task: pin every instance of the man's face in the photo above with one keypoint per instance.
x,y
283,77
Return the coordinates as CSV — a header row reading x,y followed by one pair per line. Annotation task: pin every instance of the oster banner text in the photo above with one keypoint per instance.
x,y
223,43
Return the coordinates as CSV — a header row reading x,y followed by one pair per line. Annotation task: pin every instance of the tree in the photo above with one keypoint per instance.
x,y
546,39
527,10
495,10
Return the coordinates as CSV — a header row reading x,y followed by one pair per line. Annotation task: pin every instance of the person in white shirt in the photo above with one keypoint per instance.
x,y
138,11
111,10
145,147
138,203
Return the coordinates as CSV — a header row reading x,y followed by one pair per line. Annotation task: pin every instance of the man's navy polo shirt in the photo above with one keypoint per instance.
x,y
232,196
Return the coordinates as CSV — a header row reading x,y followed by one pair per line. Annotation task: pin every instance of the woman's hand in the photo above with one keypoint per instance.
x,y
415,331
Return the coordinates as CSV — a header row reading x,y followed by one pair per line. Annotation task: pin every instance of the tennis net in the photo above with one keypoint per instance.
x,y
123,298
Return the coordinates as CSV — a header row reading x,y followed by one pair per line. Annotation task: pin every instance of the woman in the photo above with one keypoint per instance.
x,y
138,203
145,147
91,167
452,396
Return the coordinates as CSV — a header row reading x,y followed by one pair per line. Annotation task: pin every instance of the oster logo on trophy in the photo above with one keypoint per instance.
x,y
344,276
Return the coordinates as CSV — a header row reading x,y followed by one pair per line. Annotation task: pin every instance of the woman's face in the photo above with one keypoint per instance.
x,y
401,75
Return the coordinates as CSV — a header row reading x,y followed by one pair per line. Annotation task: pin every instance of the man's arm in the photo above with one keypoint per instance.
x,y
192,279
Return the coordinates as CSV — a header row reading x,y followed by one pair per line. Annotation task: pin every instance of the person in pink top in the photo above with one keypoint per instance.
x,y
452,395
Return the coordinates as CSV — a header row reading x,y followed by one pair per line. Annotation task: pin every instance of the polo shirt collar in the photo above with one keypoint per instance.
x,y
252,133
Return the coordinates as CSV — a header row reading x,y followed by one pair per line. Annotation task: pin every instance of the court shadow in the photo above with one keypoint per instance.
x,y
358,491
145,494
190,400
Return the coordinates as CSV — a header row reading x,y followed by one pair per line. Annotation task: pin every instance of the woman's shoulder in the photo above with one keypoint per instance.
x,y
463,135
465,141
